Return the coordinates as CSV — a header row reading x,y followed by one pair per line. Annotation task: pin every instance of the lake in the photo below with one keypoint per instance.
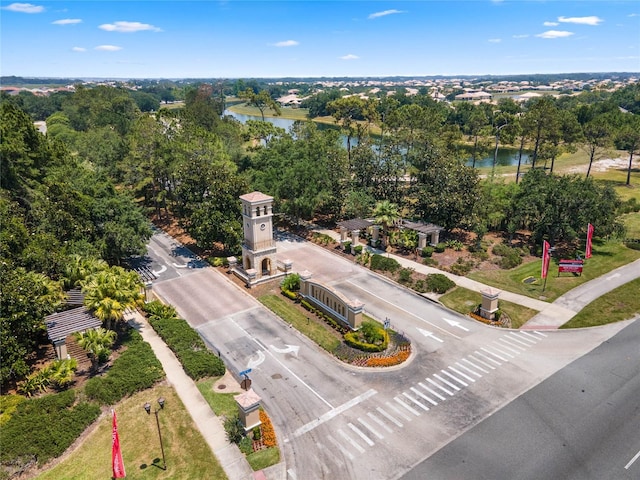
x,y
506,156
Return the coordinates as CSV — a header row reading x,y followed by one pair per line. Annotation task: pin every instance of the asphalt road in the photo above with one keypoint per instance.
x,y
338,421
581,423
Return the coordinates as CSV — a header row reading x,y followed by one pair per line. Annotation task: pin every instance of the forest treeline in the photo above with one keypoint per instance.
x,y
78,199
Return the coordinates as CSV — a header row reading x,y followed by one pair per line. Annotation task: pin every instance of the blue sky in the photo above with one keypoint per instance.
x,y
242,39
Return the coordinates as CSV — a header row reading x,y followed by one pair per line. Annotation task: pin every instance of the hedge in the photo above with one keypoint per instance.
x,y
379,262
439,283
135,370
43,428
352,340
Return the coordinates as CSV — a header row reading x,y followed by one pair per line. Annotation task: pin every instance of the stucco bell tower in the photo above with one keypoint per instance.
x,y
258,247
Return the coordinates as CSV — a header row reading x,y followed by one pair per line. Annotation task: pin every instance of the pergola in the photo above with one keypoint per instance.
x,y
424,230
60,325
354,227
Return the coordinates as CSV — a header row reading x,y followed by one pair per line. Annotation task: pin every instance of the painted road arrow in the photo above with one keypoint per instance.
x,y
158,272
427,333
290,348
453,323
254,363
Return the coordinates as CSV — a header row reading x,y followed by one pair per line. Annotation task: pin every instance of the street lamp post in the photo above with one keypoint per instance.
x,y
147,408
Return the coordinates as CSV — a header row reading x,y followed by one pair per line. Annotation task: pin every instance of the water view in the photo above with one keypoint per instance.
x,y
506,156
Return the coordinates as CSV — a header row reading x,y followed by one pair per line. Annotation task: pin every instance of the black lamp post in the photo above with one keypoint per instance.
x,y
147,408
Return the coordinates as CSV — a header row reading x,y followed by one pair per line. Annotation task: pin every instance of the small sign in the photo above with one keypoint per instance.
x,y
387,324
245,372
570,266
245,384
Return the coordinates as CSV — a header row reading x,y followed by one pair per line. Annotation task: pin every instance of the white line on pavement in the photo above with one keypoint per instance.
x,y
411,409
464,375
388,417
437,385
335,459
431,391
533,338
333,413
539,333
370,428
480,362
292,474
420,404
487,358
510,346
635,457
379,422
503,352
472,372
454,378
446,382
420,394
361,434
353,443
395,409
340,447
526,341
495,355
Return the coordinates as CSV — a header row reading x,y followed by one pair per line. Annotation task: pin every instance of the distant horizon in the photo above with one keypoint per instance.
x,y
316,39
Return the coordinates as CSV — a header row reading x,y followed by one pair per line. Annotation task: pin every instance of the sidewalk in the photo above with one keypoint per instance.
x,y
231,459
551,315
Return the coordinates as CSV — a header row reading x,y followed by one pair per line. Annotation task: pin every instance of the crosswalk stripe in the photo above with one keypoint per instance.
x,y
340,447
539,333
333,457
488,358
502,351
389,417
520,339
447,382
431,391
420,394
411,409
440,387
380,422
463,375
361,434
454,378
370,428
480,362
533,338
517,349
353,443
472,372
494,354
292,474
417,402
517,344
395,409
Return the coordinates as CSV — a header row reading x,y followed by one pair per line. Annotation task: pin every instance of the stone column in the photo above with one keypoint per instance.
x,y
343,234
305,276
375,236
422,240
355,237
288,264
354,314
248,409
435,237
489,305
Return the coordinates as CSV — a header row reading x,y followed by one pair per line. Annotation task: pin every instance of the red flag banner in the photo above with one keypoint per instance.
x,y
546,256
116,454
587,250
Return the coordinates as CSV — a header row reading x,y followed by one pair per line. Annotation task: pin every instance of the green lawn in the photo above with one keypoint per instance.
x,y
620,304
222,404
187,454
606,257
315,331
264,458
463,301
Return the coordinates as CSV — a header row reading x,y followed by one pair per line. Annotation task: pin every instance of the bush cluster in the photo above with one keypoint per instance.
x,y
385,264
326,318
135,370
462,267
633,245
347,247
43,428
456,245
439,283
218,261
509,257
322,238
291,282
405,276
196,359
59,374
440,247
427,251
289,294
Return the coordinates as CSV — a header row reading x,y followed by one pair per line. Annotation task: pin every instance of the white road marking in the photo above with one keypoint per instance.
x,y
388,417
524,340
361,434
333,458
454,378
480,362
437,385
539,333
340,447
380,422
533,338
370,428
472,372
431,391
420,394
463,375
635,457
406,311
333,413
291,474
510,341
503,352
251,363
282,364
511,348
289,348
611,277
487,358
411,409
353,443
395,409
447,382
453,323
494,354
427,333
417,402
163,269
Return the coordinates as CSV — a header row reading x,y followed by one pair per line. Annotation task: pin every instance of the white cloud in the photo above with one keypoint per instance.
x,y
495,40
554,34
285,43
79,49
108,48
67,21
550,24
524,35
385,13
24,8
128,27
349,56
593,20
633,14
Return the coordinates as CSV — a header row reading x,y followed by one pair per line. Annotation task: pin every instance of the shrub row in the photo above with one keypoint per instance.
x,y
268,433
135,370
43,428
196,359
351,339
385,264
327,319
439,283
396,359
289,294
510,257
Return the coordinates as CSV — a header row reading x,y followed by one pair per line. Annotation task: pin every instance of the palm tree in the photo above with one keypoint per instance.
x,y
386,214
78,268
97,343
